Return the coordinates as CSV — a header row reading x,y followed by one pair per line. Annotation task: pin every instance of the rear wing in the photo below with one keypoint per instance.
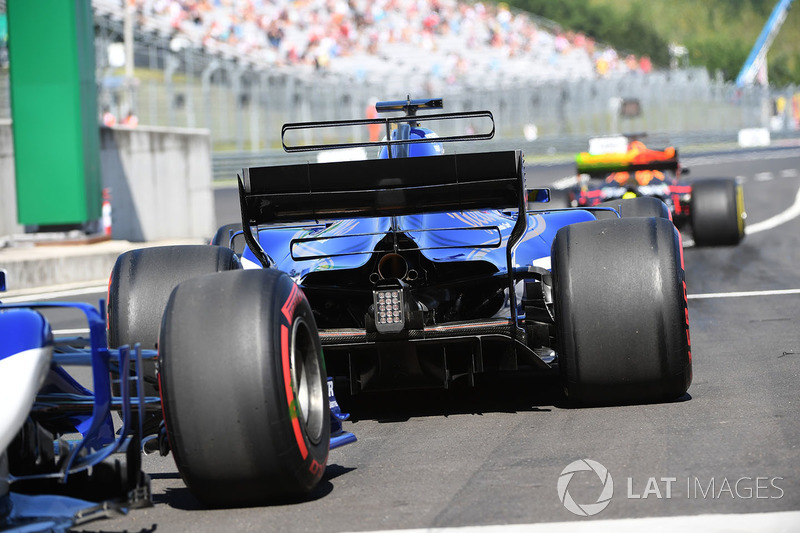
x,y
396,186
382,187
387,187
290,145
632,161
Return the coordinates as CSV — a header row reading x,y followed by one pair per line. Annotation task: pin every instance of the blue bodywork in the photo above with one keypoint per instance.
x,y
64,408
447,235
440,237
23,329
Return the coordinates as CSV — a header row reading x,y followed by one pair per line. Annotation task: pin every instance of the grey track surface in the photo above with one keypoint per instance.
x,y
493,455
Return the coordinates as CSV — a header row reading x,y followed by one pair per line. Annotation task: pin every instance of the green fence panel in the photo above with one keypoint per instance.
x,y
54,112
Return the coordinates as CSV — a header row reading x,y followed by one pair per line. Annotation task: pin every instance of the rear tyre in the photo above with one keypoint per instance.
x,y
223,238
717,212
621,312
140,285
642,206
244,388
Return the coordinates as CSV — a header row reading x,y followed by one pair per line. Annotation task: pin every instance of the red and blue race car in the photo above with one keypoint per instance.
x,y
712,209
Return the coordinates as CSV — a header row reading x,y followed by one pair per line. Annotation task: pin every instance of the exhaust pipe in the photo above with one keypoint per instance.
x,y
392,266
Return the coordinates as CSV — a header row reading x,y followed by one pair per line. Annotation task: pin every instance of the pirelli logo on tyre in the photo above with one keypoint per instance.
x,y
287,309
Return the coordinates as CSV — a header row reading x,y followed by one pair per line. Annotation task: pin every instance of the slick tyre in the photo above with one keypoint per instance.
x,y
717,212
141,282
642,206
621,313
244,388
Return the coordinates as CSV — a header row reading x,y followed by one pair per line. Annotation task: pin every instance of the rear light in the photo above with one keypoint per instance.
x,y
389,308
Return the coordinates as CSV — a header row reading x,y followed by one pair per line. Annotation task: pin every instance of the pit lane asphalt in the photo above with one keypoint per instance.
x,y
494,455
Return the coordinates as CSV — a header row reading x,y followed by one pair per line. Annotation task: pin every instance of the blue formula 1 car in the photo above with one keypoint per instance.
x,y
65,459
417,268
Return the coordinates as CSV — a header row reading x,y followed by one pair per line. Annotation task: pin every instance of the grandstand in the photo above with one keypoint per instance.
x,y
242,68
414,46
444,42
326,59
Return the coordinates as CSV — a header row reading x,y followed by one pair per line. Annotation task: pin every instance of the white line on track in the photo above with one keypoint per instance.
x,y
38,296
565,182
780,522
778,292
764,176
789,173
781,218
71,332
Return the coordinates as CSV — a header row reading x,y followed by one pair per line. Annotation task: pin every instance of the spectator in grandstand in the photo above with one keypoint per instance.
x,y
601,66
631,63
645,65
275,34
374,129
316,33
130,120
108,117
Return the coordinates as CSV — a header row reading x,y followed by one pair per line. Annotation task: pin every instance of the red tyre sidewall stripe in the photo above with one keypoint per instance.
x,y
287,381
